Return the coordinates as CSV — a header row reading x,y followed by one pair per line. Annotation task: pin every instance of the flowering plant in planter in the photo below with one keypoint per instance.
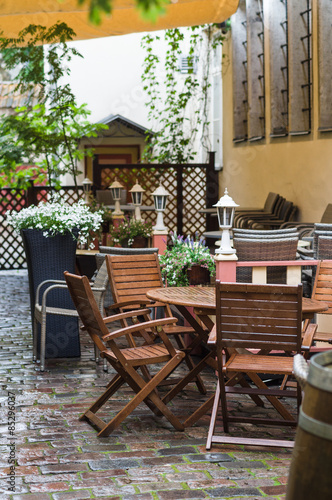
x,y
181,256
57,217
126,231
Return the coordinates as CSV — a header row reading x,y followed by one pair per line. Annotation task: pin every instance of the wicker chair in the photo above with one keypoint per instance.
x,y
254,249
270,206
264,233
306,228
41,309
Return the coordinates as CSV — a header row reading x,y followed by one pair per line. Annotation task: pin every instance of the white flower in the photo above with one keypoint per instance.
x,y
57,217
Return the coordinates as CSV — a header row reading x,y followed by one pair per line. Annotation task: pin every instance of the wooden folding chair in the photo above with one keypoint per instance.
x,y
131,276
322,291
126,361
264,318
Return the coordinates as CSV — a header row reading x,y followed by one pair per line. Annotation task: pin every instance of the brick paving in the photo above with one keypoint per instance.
x,y
53,455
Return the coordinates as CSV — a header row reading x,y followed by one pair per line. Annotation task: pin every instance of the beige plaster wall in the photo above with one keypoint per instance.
x,y
298,168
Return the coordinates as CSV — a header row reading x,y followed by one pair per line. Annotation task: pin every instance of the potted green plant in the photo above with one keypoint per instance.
x,y
187,262
131,233
50,233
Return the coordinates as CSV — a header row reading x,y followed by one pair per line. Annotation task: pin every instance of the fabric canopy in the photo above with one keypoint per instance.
x,y
15,15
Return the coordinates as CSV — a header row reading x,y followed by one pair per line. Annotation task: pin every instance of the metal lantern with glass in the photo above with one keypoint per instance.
x,y
87,184
225,210
137,197
115,188
160,199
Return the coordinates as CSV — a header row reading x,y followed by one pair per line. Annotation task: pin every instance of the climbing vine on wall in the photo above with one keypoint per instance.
x,y
178,103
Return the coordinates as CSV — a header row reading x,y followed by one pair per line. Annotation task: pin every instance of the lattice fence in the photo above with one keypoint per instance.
x,y
12,255
186,185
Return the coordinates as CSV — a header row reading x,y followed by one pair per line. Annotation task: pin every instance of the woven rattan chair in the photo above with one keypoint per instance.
x,y
306,228
42,309
265,233
269,207
127,362
254,249
245,219
286,212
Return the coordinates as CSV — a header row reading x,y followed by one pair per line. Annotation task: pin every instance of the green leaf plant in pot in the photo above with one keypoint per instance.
x,y
131,233
187,262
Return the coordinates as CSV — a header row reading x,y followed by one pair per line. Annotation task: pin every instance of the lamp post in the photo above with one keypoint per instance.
x,y
225,210
137,196
115,188
87,184
160,200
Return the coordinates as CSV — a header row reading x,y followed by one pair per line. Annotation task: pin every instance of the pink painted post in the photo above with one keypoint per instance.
x,y
226,268
159,240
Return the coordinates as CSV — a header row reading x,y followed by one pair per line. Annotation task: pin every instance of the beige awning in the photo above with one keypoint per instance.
x,y
17,14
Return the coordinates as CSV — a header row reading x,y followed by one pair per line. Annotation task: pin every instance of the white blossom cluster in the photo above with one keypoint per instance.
x,y
57,217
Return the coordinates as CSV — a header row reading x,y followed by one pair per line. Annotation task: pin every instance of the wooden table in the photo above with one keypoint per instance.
x,y
202,300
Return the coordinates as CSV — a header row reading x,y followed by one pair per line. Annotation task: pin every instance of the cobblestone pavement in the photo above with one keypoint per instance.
x,y
59,457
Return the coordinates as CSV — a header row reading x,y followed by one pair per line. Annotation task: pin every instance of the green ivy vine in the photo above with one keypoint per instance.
x,y
178,104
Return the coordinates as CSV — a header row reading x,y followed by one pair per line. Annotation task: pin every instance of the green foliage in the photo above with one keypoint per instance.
x,y
47,134
126,231
182,254
150,10
183,113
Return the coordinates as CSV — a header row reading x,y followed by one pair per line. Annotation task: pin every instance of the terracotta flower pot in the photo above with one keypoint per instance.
x,y
139,242
198,275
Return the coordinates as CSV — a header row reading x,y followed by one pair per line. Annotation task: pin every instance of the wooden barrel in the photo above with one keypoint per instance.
x,y
310,476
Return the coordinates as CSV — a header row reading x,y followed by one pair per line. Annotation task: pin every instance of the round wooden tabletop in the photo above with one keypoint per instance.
x,y
204,298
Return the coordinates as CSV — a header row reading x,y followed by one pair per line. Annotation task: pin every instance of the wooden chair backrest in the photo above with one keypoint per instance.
x,y
322,289
259,316
131,276
87,308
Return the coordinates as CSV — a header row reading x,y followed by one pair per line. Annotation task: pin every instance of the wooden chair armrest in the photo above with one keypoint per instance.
x,y
308,336
133,302
141,326
129,314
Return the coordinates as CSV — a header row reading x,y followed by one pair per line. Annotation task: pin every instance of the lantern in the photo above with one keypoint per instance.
x,y
115,188
87,184
137,196
160,200
225,210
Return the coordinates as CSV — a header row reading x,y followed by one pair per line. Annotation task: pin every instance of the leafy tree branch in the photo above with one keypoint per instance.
x,y
45,135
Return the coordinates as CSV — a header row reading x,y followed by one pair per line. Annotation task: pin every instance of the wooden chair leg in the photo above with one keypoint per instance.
x,y
272,399
147,391
191,365
213,420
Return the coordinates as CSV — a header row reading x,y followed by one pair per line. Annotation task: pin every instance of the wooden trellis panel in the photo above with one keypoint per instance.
x,y
12,255
194,186
11,247
186,184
